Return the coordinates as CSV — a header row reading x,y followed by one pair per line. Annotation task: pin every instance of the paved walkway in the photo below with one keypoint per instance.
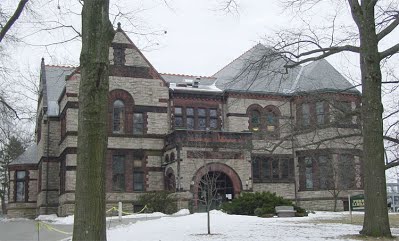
x,y
26,230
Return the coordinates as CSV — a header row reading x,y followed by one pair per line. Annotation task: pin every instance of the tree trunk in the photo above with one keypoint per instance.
x,y
376,221
97,35
3,205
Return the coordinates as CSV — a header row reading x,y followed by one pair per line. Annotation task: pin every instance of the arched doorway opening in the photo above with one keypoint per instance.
x,y
214,184
214,189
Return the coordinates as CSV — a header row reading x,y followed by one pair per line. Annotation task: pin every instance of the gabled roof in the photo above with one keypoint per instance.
x,y
28,157
52,82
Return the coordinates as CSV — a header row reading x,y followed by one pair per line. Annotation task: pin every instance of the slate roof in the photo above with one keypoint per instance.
x,y
55,77
28,157
261,70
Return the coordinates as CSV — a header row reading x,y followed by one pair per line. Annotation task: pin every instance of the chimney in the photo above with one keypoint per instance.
x,y
196,82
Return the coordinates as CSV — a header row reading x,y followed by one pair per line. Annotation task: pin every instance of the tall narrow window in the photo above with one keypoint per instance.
x,y
271,121
284,167
138,181
275,169
305,114
138,123
190,118
118,116
201,118
213,119
255,120
320,113
308,173
255,168
347,173
20,192
178,117
266,168
118,173
325,173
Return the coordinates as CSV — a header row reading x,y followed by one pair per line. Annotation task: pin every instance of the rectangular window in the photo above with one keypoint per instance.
x,y
190,118
138,181
284,166
213,119
275,169
267,169
118,173
308,173
255,168
201,118
305,114
320,113
344,115
325,173
20,192
347,173
138,123
178,117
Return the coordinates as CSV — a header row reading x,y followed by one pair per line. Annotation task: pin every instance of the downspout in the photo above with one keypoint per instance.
x,y
293,151
48,159
178,167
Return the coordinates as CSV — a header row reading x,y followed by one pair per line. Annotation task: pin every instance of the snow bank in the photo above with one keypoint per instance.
x,y
182,212
52,218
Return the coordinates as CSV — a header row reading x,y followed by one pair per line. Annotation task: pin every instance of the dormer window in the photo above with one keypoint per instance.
x,y
119,56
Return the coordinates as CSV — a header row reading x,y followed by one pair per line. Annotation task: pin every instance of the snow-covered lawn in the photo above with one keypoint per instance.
x,y
183,226
236,228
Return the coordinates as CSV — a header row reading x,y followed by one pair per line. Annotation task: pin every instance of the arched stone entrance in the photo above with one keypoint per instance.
x,y
226,180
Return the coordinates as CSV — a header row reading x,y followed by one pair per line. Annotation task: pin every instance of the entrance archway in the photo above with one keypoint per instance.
x,y
216,181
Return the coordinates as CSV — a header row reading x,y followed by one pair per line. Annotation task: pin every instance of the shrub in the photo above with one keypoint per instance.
x,y
247,203
163,202
300,212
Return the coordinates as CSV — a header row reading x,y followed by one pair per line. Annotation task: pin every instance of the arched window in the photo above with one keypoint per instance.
x,y
255,120
271,114
271,121
172,157
118,116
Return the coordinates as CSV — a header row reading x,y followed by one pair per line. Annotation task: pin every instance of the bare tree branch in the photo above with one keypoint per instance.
x,y
13,19
389,28
390,51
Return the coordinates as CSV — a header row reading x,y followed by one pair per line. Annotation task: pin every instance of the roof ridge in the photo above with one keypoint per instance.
x,y
236,58
61,66
187,75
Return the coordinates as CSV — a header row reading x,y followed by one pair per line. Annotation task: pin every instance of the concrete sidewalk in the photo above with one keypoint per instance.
x,y
26,230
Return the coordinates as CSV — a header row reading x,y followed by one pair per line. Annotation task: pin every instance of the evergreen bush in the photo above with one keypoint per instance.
x,y
263,202
159,201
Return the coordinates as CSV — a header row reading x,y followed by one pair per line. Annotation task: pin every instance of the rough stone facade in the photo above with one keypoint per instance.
x,y
172,131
